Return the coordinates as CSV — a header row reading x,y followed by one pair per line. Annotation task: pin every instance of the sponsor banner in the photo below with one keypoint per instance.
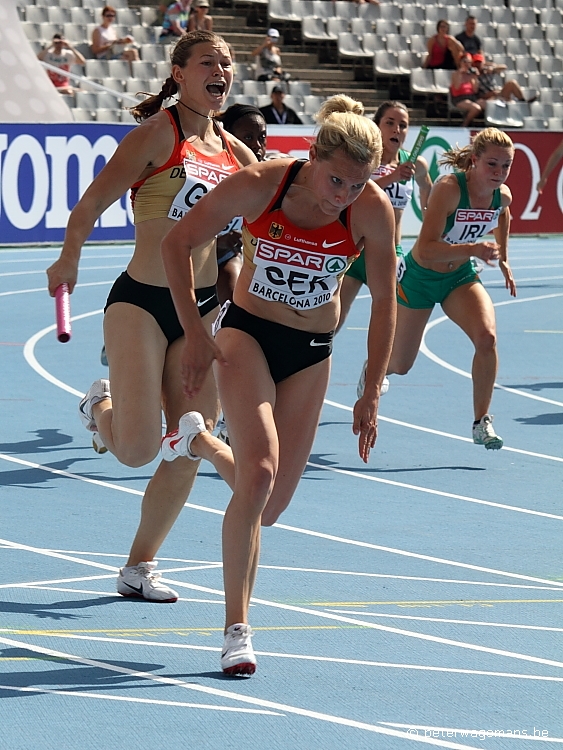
x,y
45,169
531,213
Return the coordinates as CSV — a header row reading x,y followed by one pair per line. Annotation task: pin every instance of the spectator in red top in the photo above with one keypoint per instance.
x,y
444,50
464,90
61,54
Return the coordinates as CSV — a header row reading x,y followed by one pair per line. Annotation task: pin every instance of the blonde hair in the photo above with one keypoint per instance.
x,y
343,126
460,157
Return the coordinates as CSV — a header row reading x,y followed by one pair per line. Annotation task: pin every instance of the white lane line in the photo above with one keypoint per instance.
x,y
42,271
446,365
44,288
480,734
439,493
501,282
299,657
30,358
96,592
39,584
232,695
325,615
298,530
83,258
450,435
387,629
106,697
32,361
442,619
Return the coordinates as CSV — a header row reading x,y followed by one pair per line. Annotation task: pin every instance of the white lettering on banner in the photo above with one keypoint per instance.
x,y
25,145
3,146
277,278
61,149
560,190
527,214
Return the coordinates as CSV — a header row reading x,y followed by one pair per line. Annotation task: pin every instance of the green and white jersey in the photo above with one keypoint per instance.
x,y
468,224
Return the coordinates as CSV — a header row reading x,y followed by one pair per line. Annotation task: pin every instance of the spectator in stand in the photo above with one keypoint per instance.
x,y
175,21
269,64
487,84
277,113
470,41
444,50
464,90
199,20
61,54
105,44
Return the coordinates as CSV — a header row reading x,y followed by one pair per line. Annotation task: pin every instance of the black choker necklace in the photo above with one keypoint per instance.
x,y
193,110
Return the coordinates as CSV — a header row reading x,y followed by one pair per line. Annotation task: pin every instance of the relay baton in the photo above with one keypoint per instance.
x,y
417,148
62,306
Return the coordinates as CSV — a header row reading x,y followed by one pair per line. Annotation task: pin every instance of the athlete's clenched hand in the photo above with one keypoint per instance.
x,y
365,425
199,352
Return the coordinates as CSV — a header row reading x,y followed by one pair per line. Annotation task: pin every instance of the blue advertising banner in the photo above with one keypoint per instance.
x,y
44,169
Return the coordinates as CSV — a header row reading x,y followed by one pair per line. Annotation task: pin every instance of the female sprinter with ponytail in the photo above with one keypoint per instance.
x,y
304,223
173,158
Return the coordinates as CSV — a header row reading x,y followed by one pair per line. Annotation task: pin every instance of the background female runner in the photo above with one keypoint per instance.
x,y
304,221
246,123
463,208
392,118
161,159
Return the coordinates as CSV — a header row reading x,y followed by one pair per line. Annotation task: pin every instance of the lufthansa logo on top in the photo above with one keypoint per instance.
x,y
275,231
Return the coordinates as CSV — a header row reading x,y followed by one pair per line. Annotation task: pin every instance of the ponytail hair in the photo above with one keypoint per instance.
x,y
180,55
343,126
459,158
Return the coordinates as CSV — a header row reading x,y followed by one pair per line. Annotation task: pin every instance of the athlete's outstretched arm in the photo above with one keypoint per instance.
x,y
376,220
550,166
144,148
424,182
501,234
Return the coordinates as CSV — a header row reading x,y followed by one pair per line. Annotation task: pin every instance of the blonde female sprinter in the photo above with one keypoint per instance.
x,y
304,223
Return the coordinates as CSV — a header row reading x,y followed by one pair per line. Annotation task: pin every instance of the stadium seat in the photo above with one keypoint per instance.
x,y
345,9
422,81
386,63
336,26
313,29
108,115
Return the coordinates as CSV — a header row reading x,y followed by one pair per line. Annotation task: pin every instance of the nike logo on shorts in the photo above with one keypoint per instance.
x,y
201,303
319,343
326,244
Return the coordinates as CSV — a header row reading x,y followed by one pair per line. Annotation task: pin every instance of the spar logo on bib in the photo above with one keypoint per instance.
x,y
295,276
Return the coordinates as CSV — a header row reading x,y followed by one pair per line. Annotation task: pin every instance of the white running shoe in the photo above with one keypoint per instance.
x,y
222,431
484,434
237,657
140,581
177,443
98,391
362,382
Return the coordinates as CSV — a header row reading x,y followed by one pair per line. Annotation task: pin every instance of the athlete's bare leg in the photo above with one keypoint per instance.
x,y
250,403
471,308
348,292
408,335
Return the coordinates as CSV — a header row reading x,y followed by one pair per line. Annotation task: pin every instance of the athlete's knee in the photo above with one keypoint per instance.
x,y
135,454
259,479
271,513
399,366
485,341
